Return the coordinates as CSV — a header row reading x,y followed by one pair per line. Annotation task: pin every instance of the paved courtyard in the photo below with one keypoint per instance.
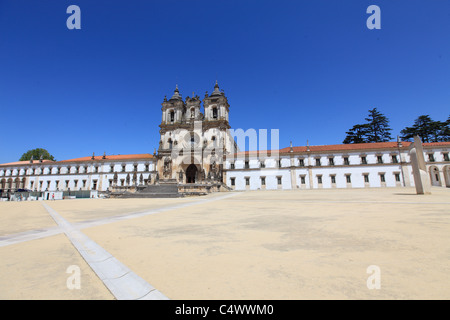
x,y
299,244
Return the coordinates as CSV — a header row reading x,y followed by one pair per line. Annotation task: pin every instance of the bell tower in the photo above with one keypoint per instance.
x,y
217,108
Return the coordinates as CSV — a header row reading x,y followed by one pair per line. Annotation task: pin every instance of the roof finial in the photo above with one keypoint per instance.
x,y
176,93
307,145
399,142
216,90
291,148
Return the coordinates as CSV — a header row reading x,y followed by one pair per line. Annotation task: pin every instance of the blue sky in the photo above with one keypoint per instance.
x,y
311,69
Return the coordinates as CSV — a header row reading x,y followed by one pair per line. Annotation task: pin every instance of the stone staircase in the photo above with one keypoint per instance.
x,y
167,189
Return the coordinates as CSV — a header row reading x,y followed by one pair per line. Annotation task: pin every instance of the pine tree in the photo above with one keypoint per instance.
x,y
378,127
427,129
375,130
357,134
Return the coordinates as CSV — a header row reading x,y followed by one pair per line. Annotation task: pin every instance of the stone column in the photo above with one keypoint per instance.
x,y
421,177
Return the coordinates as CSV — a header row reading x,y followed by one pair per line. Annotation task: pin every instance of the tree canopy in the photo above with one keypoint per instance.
x,y
376,129
428,130
36,154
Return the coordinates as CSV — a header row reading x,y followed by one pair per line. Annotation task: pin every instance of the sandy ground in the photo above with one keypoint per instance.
x,y
300,244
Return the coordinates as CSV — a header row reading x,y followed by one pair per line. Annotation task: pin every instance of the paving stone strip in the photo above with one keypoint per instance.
x,y
123,283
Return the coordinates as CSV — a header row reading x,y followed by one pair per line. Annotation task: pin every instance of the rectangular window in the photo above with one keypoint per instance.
x,y
75,183
84,183
247,165
111,169
279,163
431,157
232,165
96,170
301,162
67,183
94,185
346,161
348,178
263,181
382,177
263,165
363,160
279,180
446,158
233,181
318,162
380,159
247,181
135,167
147,168
331,161
333,179
394,158
123,168
366,178
397,177
302,180
319,179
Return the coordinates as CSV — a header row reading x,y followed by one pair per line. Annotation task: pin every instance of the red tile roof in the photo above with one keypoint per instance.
x,y
83,159
346,147
112,157
25,162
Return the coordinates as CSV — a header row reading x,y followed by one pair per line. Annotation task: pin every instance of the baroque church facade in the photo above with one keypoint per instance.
x,y
196,151
193,143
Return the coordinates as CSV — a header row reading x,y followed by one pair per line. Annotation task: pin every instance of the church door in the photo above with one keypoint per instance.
x,y
191,173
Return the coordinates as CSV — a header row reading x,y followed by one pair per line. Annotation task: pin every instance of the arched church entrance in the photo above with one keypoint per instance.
x,y
191,173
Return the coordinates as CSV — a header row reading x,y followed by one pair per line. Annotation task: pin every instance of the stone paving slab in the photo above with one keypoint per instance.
x,y
37,270
16,217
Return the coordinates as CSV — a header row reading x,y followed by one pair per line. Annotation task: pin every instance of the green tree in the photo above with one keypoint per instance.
x,y
378,127
375,130
36,154
445,130
427,129
357,134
